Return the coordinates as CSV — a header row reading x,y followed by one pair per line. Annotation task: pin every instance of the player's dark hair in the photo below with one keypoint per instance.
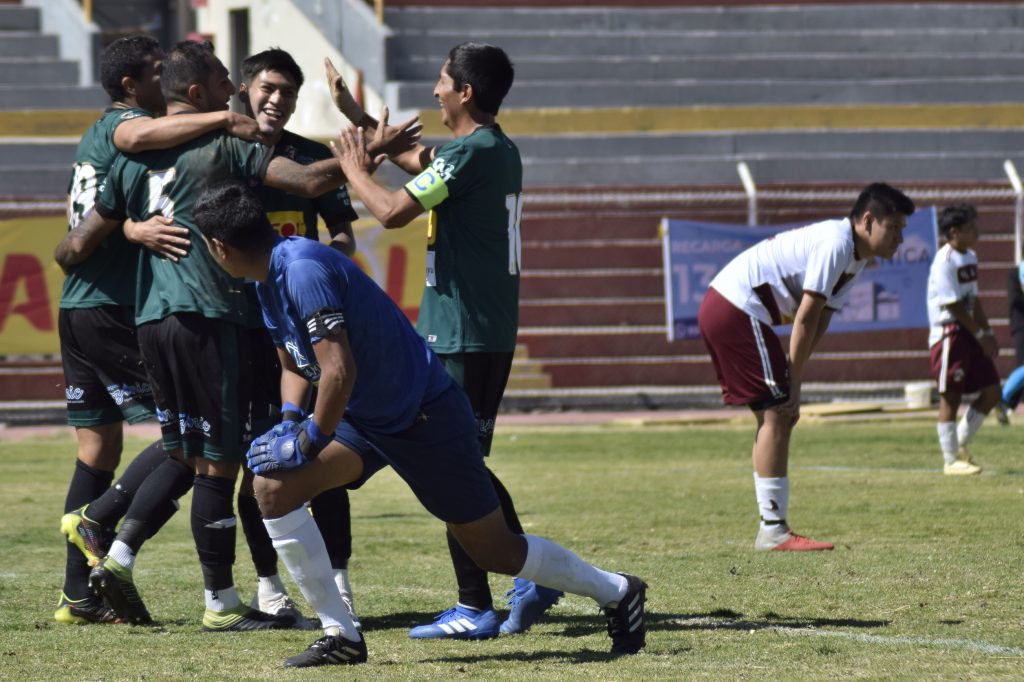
x,y
882,201
231,212
125,57
486,68
272,59
956,216
188,63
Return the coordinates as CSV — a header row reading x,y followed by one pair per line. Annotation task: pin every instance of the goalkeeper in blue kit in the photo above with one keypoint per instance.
x,y
384,399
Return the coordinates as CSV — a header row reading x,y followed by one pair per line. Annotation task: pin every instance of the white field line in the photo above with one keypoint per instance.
x,y
940,642
896,470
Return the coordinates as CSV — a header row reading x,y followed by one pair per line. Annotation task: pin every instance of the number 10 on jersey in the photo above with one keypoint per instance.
x,y
514,205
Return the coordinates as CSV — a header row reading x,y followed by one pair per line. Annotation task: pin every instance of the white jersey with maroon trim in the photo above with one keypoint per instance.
x,y
953,277
767,280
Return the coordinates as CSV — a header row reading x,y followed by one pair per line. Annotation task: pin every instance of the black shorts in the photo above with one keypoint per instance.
x,y
265,377
197,366
104,377
483,377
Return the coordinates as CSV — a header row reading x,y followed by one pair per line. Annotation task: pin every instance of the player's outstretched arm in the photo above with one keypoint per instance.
x,y
143,133
307,181
160,235
79,243
391,208
412,158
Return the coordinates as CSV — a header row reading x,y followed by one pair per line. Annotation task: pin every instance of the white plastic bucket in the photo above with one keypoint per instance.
x,y
918,394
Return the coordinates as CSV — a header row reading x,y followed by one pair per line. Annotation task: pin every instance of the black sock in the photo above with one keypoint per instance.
x,y
112,505
87,483
153,501
264,556
213,528
472,580
333,517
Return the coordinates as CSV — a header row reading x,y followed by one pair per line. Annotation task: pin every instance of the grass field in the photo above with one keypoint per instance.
x,y
926,582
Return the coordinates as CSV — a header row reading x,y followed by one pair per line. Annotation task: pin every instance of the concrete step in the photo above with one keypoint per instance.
x,y
689,92
31,97
31,381
677,41
27,44
35,70
715,18
41,153
586,310
841,67
14,18
35,181
591,282
592,253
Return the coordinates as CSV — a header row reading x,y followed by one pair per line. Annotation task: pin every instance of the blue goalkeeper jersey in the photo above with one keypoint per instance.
x,y
312,291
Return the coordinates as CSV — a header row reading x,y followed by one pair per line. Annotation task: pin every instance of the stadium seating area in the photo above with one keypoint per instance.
x,y
628,114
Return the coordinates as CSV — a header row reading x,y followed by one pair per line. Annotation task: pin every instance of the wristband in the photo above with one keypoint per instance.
x,y
318,439
290,412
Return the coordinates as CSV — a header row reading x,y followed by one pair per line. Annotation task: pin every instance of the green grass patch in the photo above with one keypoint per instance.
x,y
925,581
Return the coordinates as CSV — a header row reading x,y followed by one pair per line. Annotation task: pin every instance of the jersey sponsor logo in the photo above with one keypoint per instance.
x,y
124,392
443,168
288,223
965,274
297,356
190,424
74,394
325,323
129,115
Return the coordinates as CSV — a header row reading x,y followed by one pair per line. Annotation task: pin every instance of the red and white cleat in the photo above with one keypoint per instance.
x,y
784,540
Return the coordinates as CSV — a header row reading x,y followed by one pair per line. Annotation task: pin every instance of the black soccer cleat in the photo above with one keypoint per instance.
x,y
114,583
83,611
626,620
330,650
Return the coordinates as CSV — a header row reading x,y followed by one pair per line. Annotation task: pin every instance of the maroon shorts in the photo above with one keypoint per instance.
x,y
748,357
960,365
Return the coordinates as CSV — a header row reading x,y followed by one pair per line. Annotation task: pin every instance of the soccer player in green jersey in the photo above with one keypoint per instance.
x,y
269,89
469,315
105,382
190,318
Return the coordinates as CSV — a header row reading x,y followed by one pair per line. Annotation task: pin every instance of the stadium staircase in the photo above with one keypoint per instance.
x,y
626,115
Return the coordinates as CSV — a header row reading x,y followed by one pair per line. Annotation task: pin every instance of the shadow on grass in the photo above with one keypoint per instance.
x,y
727,619
585,656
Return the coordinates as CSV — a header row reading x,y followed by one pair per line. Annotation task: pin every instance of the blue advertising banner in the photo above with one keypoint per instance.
x,y
887,294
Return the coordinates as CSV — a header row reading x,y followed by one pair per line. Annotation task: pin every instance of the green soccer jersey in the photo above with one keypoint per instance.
x,y
107,276
471,299
169,182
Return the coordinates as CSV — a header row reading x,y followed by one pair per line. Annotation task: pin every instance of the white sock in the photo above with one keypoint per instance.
x,y
551,565
270,586
948,441
772,498
301,547
222,600
122,554
969,425
341,580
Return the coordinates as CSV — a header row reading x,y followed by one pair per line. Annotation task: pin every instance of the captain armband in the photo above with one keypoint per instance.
x,y
325,322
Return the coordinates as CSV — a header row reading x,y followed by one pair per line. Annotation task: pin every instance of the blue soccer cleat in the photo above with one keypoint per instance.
x,y
461,622
529,601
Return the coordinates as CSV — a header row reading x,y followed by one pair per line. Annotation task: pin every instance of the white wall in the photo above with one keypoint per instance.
x,y
64,18
278,23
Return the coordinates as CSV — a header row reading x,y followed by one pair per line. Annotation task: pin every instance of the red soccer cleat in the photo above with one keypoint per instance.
x,y
784,540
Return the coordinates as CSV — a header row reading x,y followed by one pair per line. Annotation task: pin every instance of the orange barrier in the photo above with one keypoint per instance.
x,y
30,281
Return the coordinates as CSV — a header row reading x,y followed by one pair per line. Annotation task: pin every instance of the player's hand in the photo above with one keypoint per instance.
x,y
340,93
241,126
990,346
394,140
160,235
791,408
289,445
350,151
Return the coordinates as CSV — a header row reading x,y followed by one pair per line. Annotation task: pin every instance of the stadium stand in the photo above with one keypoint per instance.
x,y
631,113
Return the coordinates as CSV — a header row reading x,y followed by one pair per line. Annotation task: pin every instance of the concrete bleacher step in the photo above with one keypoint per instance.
x,y
763,91
421,71
28,97
36,70
16,18
27,44
752,17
